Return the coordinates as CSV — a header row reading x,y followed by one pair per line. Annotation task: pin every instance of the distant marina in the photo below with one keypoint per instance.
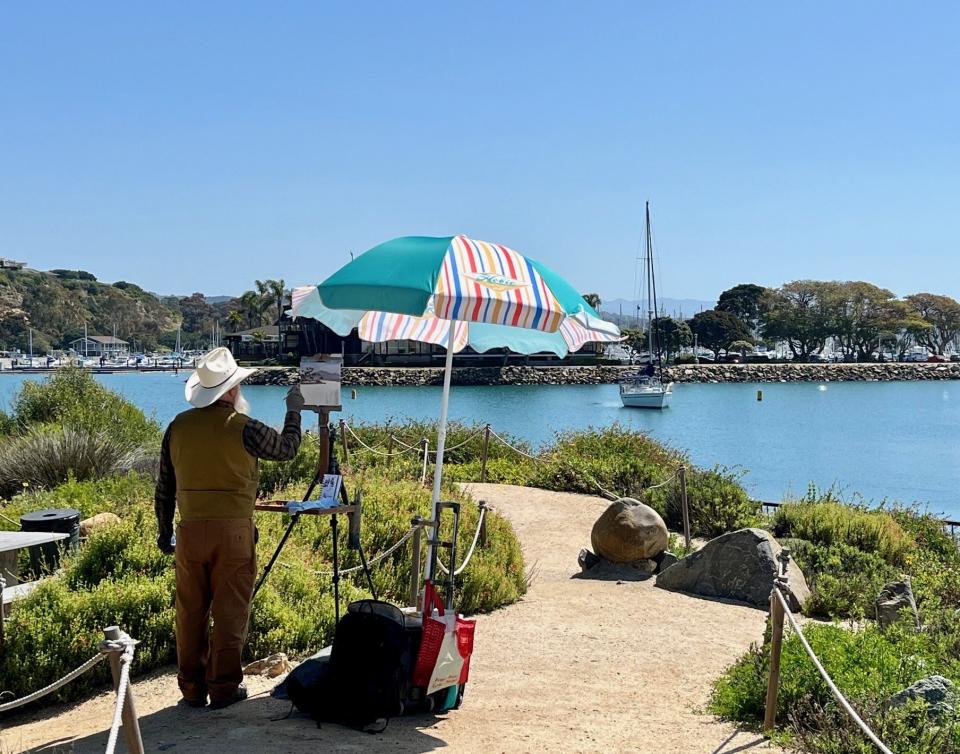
x,y
883,440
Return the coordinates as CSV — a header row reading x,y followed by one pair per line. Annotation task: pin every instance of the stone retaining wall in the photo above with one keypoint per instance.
x,y
521,375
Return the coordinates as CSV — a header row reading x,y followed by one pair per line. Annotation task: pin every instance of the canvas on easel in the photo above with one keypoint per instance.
x,y
320,382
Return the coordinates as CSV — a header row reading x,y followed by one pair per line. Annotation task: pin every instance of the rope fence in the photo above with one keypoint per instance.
x,y
677,475
370,563
118,648
779,608
473,545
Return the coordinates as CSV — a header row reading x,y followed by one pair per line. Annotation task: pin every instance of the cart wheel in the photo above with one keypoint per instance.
x,y
460,692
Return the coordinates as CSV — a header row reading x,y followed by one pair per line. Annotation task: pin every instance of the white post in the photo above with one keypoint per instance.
x,y
441,440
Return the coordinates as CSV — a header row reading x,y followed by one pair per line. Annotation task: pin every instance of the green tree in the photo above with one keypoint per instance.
x,y
278,290
593,299
741,347
935,322
861,313
747,301
251,304
671,335
800,315
235,319
716,330
635,338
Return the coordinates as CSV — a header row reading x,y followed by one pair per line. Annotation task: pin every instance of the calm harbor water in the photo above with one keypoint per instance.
x,y
895,440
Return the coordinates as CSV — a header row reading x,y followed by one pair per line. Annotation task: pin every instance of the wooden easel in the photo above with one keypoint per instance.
x,y
326,464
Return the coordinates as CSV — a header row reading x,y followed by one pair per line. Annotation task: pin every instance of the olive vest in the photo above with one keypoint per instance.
x,y
216,476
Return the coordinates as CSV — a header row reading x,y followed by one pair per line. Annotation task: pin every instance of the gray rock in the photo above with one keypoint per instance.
x,y
666,560
895,603
587,560
740,565
628,531
939,694
605,570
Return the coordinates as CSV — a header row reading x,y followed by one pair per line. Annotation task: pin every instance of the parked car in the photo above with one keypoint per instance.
x,y
916,357
936,358
731,358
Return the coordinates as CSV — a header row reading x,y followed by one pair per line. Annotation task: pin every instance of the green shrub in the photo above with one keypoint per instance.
x,y
716,500
119,576
117,494
73,398
843,580
44,456
828,521
868,666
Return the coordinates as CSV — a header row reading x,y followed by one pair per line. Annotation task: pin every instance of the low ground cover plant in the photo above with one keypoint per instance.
x,y
847,554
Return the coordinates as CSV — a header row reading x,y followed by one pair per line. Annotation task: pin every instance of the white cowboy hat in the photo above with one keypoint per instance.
x,y
216,373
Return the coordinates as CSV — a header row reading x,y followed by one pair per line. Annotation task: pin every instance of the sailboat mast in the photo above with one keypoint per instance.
x,y
648,285
652,294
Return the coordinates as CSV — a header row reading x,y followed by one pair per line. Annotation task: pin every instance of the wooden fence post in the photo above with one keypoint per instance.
x,y
486,448
415,561
131,725
684,506
390,450
343,442
483,524
423,475
776,641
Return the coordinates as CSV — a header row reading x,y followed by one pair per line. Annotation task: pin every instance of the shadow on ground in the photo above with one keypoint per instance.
x,y
259,724
738,741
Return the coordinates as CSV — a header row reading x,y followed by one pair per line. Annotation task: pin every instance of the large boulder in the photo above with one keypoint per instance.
x,y
627,531
740,565
895,602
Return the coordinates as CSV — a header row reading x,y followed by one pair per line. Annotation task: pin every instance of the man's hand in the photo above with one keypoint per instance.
x,y
165,545
294,399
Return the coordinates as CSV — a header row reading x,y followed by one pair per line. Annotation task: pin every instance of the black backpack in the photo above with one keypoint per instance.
x,y
367,676
371,665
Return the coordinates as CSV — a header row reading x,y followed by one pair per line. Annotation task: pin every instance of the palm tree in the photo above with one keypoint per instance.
x,y
250,302
593,299
278,291
265,294
235,319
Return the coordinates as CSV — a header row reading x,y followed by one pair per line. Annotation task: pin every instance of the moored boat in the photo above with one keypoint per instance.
x,y
646,389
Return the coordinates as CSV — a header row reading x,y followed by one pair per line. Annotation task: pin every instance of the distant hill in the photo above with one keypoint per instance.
x,y
56,306
674,307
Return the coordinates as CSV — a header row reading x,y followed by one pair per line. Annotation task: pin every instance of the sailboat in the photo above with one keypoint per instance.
x,y
646,389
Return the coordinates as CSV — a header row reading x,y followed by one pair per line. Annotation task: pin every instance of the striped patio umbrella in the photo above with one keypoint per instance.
x,y
454,291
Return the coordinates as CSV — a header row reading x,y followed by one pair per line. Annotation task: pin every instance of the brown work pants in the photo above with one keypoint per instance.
x,y
216,567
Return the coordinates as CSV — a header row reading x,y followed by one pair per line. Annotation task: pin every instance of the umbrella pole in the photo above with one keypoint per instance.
x,y
441,441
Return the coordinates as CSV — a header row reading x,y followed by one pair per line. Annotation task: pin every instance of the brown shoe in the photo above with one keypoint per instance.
x,y
196,703
238,696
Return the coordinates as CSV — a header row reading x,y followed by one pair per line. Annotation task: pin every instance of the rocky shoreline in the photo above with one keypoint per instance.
x,y
598,375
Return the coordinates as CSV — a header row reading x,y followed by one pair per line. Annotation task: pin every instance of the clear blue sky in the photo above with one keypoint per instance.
x,y
197,146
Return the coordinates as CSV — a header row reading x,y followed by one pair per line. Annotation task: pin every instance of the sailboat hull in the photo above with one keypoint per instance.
x,y
646,396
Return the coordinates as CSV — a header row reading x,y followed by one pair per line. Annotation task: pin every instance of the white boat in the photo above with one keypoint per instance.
x,y
646,389
642,391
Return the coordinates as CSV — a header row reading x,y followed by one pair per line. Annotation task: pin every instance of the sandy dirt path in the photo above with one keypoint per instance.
x,y
577,666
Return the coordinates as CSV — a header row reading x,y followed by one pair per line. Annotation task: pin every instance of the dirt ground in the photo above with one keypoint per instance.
x,y
578,666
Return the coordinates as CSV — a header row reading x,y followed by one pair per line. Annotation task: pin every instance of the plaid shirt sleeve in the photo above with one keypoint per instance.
x,y
165,496
265,442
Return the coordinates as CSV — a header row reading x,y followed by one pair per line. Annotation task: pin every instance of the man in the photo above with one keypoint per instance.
x,y
208,470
